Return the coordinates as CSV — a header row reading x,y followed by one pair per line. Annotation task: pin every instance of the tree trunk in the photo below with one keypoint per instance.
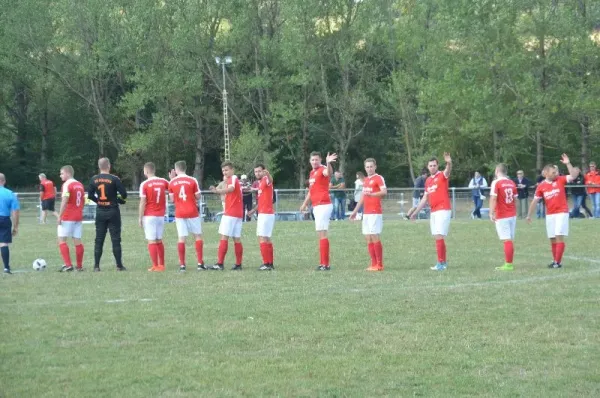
x,y
302,159
19,114
539,151
45,131
585,141
199,162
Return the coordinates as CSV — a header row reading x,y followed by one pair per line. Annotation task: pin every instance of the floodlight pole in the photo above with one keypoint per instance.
x,y
224,61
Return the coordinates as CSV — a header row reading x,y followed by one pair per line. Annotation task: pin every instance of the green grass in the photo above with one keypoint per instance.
x,y
296,332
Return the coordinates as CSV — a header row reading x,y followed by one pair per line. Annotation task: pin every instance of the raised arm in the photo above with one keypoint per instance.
x,y
448,161
573,171
329,159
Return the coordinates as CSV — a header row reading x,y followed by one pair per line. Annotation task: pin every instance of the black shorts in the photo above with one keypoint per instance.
x,y
48,204
5,230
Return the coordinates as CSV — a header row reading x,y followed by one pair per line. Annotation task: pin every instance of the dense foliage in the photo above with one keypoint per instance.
x,y
515,81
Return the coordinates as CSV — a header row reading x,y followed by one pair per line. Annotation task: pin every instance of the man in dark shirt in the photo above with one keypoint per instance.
x,y
417,192
523,185
579,193
107,191
541,206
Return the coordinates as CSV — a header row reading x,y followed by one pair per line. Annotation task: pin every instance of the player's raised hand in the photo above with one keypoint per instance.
x,y
172,174
565,159
447,157
331,157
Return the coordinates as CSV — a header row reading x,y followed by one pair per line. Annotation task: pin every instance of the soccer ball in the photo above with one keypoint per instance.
x,y
39,264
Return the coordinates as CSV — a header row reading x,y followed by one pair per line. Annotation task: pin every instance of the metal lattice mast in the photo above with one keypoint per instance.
x,y
223,62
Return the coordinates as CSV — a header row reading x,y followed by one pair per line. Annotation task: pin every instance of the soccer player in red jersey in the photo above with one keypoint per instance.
x,y
153,203
372,222
231,222
436,192
318,195
70,217
184,191
47,197
552,190
503,212
266,215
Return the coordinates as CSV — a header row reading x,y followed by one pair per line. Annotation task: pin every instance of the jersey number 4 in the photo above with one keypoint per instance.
x,y
182,194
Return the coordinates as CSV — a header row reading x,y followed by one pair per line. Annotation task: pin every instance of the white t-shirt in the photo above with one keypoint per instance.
x,y
358,190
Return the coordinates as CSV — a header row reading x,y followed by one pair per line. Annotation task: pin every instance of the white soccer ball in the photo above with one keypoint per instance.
x,y
39,264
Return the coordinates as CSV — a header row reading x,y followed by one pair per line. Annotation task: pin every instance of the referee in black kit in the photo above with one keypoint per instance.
x,y
107,191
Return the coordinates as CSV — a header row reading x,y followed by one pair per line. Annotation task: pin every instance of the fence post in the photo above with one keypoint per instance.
x,y
453,202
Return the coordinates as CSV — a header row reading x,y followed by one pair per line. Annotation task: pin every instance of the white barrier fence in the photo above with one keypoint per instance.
x,y
395,204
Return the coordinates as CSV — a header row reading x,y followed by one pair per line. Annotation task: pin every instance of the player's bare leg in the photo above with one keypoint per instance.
x,y
509,252
200,252
324,251
440,246
266,251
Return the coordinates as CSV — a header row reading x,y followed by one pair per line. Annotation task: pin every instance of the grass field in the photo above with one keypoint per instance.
x,y
295,332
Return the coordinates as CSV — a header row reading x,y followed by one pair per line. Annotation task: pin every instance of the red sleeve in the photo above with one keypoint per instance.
x,y
538,192
562,180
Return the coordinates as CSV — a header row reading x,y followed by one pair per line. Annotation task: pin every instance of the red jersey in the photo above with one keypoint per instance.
x,y
505,191
265,196
554,195
47,189
234,206
75,191
436,187
372,184
318,187
184,189
154,189
592,178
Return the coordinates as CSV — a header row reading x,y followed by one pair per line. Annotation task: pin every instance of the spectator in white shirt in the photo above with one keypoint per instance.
x,y
476,184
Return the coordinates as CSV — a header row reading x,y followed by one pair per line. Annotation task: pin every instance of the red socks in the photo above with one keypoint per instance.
x,y
553,250
371,247
239,252
181,253
64,252
509,251
270,252
440,246
560,250
324,249
161,253
379,254
153,251
199,251
79,255
222,251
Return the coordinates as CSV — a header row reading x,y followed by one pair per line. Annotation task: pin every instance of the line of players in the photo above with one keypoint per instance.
x,y
184,191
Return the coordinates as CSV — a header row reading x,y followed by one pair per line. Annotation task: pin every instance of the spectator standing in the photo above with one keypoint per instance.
x,y
246,195
358,193
592,177
418,192
476,184
541,206
579,195
523,185
338,184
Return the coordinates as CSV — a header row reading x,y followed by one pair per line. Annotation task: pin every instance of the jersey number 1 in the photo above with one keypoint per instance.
x,y
102,190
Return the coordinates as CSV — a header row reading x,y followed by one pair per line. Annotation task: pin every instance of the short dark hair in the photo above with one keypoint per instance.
x,y
181,165
150,167
262,166
433,159
315,153
227,164
360,174
424,171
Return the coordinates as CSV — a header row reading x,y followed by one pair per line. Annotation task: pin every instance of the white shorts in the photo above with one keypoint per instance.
x,y
322,215
557,225
153,227
231,226
439,221
505,227
70,229
372,224
186,226
264,225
